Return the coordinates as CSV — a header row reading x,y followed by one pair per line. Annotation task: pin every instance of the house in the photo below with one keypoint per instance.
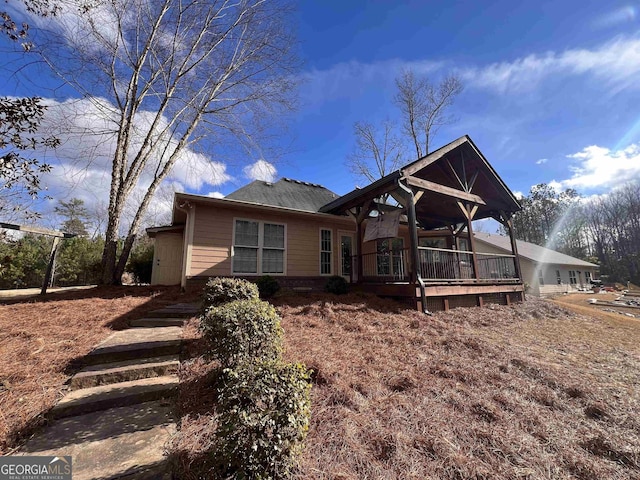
x,y
420,247
546,271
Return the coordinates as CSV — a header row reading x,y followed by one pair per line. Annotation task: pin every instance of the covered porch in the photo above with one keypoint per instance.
x,y
432,257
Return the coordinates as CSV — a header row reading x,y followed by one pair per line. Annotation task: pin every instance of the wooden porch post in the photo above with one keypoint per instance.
x,y
508,222
413,240
470,213
359,268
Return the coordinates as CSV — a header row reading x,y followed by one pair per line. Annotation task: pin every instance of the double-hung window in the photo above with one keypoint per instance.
x,y
573,280
258,247
325,251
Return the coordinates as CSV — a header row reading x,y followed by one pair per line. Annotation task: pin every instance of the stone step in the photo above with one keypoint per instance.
x,y
118,443
179,310
104,374
157,322
103,397
136,343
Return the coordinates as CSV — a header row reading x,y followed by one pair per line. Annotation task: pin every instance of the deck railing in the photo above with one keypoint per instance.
x,y
445,264
496,266
386,266
438,264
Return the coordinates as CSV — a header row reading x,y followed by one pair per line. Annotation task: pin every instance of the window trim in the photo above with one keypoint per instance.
x,y
259,248
541,277
320,252
573,279
558,277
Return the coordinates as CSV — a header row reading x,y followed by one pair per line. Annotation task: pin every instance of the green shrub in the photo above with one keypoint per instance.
x,y
218,291
336,284
264,418
267,286
243,332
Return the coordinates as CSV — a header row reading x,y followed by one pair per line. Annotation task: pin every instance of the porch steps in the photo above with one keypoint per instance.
x,y
180,310
135,343
126,371
122,394
157,322
119,443
116,417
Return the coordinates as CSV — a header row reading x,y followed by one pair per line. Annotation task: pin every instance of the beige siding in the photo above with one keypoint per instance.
x,y
213,239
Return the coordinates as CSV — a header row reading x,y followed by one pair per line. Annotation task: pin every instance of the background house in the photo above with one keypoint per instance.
x,y
546,271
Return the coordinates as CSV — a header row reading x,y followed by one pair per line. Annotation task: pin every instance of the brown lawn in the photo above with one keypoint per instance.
x,y
41,340
530,391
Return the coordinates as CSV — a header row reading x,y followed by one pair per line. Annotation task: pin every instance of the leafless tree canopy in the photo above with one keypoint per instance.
x,y
166,74
423,108
384,148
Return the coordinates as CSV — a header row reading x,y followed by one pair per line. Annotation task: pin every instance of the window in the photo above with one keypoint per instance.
x,y
258,247
587,275
572,277
325,252
463,244
389,257
558,277
540,277
433,242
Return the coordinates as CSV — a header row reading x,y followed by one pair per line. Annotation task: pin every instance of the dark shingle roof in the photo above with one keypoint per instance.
x,y
286,192
532,251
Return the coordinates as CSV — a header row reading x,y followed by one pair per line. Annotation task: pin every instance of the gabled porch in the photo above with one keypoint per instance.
x,y
432,257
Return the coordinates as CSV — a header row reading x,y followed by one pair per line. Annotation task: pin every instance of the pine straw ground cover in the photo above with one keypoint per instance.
x,y
41,340
529,391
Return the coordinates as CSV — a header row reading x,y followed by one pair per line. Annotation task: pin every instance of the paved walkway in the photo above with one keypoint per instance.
x,y
116,417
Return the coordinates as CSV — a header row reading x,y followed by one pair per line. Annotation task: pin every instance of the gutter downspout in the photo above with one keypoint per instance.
x,y
188,208
413,230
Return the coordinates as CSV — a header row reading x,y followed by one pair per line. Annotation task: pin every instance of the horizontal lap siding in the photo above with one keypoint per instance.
x,y
213,238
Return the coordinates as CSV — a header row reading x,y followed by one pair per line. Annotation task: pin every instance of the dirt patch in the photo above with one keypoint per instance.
x,y
41,342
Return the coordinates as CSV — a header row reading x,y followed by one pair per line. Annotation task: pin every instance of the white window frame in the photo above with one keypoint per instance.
x,y
259,248
558,277
330,230
541,277
573,277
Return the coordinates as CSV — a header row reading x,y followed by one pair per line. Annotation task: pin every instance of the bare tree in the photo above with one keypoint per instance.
x,y
424,107
167,74
376,153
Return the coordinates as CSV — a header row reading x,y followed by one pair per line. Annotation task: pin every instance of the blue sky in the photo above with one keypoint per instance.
x,y
551,91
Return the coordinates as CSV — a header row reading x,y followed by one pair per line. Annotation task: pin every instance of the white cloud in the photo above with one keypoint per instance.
x,y
615,63
597,167
261,170
82,163
518,194
542,161
215,195
616,17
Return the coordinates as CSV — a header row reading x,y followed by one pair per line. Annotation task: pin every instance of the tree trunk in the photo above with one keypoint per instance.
x,y
124,256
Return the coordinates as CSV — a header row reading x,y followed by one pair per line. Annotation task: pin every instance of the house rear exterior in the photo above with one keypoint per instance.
x,y
421,247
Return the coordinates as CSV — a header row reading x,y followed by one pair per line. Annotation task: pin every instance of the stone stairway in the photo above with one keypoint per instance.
x,y
116,417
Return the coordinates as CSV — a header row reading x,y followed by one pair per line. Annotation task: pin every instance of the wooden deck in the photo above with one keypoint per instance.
x,y
446,295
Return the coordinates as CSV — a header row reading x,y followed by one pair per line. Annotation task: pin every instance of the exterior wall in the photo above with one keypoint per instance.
x,y
213,240
551,286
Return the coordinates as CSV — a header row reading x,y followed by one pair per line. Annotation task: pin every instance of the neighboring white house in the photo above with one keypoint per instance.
x,y
546,271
